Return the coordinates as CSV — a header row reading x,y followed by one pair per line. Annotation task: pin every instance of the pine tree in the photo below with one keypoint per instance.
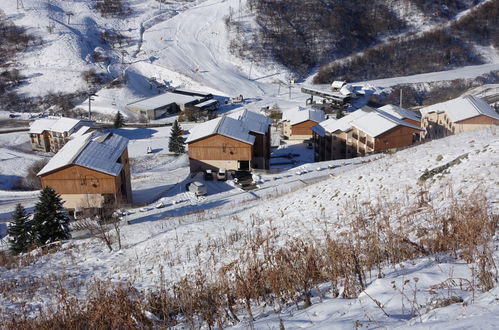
x,y
50,222
20,235
176,143
119,121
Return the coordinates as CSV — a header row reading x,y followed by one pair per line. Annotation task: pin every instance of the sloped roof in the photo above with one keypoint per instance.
x,y
40,125
96,150
324,126
82,130
347,90
462,108
254,122
343,124
162,100
379,122
225,126
373,122
301,115
399,112
60,125
338,83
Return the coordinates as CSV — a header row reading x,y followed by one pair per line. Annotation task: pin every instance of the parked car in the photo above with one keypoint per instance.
x,y
222,174
197,188
208,175
149,150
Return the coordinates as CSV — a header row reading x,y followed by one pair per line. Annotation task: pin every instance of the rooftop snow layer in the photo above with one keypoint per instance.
x,y
161,100
462,108
205,103
373,122
343,124
95,150
225,126
60,125
299,116
254,122
40,125
399,112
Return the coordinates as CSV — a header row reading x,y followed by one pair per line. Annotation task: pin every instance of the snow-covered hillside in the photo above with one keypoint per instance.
x,y
182,43
207,239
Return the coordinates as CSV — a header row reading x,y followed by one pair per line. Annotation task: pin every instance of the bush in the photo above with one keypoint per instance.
x,y
110,7
31,181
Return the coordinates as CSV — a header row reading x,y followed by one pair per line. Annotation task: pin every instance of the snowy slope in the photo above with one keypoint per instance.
x,y
179,245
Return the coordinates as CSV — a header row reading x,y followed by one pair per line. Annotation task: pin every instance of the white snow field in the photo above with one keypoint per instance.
x,y
185,43
181,244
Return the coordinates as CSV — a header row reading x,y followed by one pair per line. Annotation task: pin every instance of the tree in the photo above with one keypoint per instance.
x,y
176,143
20,235
119,121
50,221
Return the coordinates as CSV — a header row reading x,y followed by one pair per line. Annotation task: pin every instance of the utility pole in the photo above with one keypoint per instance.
x,y
400,102
90,99
249,74
69,14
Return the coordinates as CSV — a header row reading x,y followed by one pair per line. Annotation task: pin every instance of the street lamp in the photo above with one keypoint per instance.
x,y
90,99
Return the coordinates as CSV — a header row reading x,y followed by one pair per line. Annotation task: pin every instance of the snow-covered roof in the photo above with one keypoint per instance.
x,y
40,125
206,103
324,126
373,122
379,122
299,116
82,130
343,124
191,92
60,125
399,112
96,150
462,108
337,84
162,100
254,122
225,126
347,90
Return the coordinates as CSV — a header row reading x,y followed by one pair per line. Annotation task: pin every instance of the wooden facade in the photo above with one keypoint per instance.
x,y
354,143
217,150
261,150
81,187
438,125
300,131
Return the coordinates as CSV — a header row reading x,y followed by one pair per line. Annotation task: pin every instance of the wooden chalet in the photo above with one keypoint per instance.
x,y
239,141
456,116
297,124
362,132
90,171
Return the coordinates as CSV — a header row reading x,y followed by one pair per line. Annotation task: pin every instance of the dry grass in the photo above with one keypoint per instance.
x,y
269,272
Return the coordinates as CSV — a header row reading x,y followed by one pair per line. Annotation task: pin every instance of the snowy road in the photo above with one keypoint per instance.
x,y
461,73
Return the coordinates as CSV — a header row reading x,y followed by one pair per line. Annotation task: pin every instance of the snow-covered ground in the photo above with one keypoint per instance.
x,y
186,44
296,206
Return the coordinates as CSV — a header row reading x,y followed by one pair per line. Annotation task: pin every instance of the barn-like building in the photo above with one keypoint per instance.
x,y
239,141
90,171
